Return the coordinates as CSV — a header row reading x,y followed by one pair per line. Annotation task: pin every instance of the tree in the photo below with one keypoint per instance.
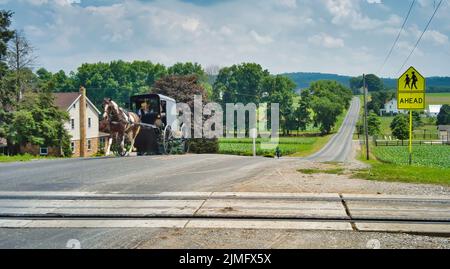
x,y
417,120
333,91
373,124
443,117
20,59
373,83
5,36
186,69
326,113
240,84
400,127
303,113
39,122
329,100
183,89
280,90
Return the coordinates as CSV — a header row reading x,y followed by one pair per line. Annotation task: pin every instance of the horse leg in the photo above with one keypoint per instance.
x,y
133,139
122,144
108,151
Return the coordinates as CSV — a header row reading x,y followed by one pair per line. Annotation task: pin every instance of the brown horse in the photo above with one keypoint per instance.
x,y
120,124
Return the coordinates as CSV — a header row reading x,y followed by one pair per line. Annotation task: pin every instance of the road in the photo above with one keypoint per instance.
x,y
179,201
339,147
158,173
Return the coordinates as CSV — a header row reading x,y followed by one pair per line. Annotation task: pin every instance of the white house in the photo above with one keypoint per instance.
x,y
433,110
391,108
71,102
83,125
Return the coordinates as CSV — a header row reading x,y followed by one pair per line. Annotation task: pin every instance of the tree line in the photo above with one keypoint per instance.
x,y
28,113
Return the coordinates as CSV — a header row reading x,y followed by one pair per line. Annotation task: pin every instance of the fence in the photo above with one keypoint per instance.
x,y
405,143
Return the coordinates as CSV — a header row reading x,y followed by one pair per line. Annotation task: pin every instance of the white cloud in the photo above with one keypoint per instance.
x,y
260,38
326,41
281,35
287,3
436,37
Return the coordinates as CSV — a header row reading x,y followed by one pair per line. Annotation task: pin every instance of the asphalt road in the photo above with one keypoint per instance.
x,y
154,174
339,147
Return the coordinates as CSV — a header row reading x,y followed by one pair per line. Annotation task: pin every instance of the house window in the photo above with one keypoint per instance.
x,y
43,151
89,145
72,147
89,123
72,124
74,106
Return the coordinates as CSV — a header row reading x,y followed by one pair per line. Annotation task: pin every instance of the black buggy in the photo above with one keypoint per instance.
x,y
160,132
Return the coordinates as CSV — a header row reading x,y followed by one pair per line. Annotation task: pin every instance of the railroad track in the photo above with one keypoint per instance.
x,y
380,213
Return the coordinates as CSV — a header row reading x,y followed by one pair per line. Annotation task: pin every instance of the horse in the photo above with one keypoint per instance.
x,y
120,124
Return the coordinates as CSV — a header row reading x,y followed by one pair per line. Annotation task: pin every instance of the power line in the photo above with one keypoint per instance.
x,y
398,36
420,38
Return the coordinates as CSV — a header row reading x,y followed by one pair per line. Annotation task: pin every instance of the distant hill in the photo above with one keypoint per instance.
x,y
303,80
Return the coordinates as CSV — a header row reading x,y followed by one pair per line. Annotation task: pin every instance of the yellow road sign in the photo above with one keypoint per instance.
x,y
411,90
411,100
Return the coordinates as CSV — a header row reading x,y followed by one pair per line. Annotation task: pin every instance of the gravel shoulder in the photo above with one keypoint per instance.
x,y
284,177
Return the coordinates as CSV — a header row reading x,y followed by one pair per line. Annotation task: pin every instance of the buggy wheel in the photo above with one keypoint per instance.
x,y
167,140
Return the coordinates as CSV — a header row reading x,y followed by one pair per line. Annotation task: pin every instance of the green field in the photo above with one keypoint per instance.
x,y
429,156
428,131
305,144
289,146
397,171
438,98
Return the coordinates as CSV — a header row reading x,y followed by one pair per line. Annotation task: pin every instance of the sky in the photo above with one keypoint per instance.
x,y
348,37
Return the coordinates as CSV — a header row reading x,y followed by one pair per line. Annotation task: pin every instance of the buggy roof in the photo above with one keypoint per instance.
x,y
160,96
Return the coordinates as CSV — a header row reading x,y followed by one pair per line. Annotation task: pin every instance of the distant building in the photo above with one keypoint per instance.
x,y
444,132
433,110
71,102
391,108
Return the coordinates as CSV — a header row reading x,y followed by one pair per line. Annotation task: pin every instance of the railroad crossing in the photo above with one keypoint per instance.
x,y
294,211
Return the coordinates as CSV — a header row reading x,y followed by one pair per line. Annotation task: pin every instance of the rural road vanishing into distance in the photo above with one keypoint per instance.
x,y
184,201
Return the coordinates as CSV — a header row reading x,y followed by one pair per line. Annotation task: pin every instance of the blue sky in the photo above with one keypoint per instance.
x,y
336,36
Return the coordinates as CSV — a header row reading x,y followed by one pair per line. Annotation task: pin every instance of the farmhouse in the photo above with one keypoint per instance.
x,y
83,126
433,110
390,108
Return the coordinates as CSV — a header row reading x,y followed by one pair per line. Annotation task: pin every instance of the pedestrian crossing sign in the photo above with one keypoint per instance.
x,y
411,90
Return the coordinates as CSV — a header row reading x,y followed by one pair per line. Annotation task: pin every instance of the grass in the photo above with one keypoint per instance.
x,y
427,156
393,172
334,171
21,158
300,146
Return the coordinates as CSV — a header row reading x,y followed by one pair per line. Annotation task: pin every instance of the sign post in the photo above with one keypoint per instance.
x,y
411,96
254,135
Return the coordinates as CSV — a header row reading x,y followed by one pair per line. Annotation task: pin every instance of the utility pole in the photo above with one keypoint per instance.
x,y
366,129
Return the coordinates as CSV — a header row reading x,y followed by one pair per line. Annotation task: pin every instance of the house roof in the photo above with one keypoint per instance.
x,y
65,100
444,128
435,108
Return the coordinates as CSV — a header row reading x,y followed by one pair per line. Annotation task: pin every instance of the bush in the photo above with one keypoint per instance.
x,y
202,145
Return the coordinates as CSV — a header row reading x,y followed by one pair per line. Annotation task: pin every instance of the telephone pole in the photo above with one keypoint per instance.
x,y
366,129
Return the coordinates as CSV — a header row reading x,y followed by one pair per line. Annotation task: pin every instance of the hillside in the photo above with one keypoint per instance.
x,y
303,80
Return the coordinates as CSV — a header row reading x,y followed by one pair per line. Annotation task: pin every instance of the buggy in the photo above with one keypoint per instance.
x,y
160,132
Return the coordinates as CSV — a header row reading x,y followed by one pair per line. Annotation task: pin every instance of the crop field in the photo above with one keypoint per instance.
x,y
429,156
438,98
293,146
